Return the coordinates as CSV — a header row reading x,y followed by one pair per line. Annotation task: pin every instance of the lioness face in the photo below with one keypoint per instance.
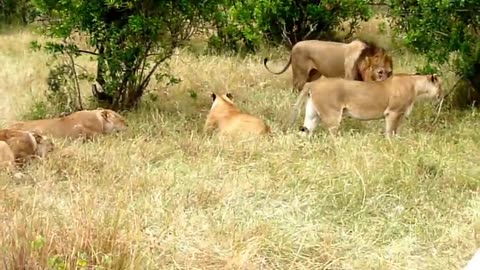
x,y
44,145
433,86
221,99
113,122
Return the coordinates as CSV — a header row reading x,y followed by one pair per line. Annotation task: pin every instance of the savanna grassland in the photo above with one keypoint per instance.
x,y
165,196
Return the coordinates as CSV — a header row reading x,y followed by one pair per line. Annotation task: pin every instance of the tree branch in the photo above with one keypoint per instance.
x,y
147,78
87,52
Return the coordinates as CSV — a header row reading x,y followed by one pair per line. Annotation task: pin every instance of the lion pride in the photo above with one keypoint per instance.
x,y
357,60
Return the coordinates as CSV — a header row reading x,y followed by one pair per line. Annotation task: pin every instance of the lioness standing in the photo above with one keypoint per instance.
x,y
228,119
86,124
330,98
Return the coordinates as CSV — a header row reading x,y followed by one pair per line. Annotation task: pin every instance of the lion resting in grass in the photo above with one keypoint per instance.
x,y
19,146
228,120
357,60
85,124
331,98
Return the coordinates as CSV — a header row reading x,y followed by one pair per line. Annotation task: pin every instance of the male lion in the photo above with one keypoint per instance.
x,y
85,124
331,98
357,60
23,145
227,118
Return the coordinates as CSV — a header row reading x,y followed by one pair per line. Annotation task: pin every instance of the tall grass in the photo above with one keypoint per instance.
x,y
164,195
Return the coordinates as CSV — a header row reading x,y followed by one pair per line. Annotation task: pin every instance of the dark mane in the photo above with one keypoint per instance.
x,y
370,50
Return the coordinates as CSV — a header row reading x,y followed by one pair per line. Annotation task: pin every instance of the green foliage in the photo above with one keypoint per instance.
x,y
62,91
445,31
16,11
38,110
248,23
131,40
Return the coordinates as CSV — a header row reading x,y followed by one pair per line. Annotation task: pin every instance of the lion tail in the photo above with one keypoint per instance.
x,y
296,107
282,71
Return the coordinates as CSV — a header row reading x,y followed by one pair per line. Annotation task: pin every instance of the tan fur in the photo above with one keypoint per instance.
x,y
25,144
357,60
86,124
393,99
225,117
7,157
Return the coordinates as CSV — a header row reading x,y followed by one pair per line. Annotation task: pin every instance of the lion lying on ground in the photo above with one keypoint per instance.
x,y
357,60
227,118
393,99
19,146
85,124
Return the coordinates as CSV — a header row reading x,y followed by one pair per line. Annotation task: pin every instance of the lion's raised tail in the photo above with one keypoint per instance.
x,y
282,71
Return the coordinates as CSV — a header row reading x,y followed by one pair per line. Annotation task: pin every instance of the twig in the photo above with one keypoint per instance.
x,y
312,28
438,112
147,78
285,36
77,84
87,52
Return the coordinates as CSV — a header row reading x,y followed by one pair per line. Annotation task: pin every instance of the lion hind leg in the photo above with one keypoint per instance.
x,y
311,120
332,120
300,77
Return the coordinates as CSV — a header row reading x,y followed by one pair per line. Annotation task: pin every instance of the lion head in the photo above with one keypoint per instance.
x,y
44,144
222,100
112,121
431,87
374,64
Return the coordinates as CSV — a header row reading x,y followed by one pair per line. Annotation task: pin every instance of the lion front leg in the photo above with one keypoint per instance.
x,y
79,131
209,125
392,122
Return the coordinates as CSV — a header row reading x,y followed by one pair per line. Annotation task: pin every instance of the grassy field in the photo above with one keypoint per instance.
x,y
165,196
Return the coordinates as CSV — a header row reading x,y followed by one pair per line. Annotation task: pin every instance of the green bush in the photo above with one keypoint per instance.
x,y
445,32
129,39
17,11
249,23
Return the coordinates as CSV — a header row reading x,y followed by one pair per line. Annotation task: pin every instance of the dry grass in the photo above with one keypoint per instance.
x,y
163,195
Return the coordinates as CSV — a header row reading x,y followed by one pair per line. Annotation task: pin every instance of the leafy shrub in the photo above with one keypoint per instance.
x,y
246,24
130,39
17,11
445,32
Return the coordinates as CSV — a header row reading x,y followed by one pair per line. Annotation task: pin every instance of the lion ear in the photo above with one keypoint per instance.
x,y
229,95
433,78
105,115
38,137
213,96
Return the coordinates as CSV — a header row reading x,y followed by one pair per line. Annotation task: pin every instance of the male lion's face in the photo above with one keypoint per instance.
x,y
378,67
114,122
